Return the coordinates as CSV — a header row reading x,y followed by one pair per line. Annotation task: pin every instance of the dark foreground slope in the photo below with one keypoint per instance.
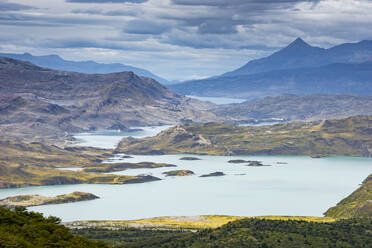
x,y
41,104
21,229
345,137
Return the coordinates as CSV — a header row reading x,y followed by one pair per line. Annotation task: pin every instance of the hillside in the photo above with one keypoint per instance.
x,y
55,62
296,69
344,137
42,104
19,228
292,107
358,204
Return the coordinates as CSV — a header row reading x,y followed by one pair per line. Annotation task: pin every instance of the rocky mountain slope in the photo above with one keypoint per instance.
x,y
55,62
346,137
296,69
292,107
43,104
300,54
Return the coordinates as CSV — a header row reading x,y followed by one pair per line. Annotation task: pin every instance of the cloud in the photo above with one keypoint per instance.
x,y
106,1
178,38
150,27
237,2
6,6
104,13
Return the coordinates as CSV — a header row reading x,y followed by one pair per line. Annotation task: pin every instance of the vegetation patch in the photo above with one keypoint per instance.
x,y
19,228
245,232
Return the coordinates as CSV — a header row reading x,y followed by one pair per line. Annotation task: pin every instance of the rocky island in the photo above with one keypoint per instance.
x,y
179,173
189,158
113,167
214,174
38,200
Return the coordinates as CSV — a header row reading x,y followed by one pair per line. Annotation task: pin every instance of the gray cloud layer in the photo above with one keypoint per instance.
x,y
106,1
178,38
7,6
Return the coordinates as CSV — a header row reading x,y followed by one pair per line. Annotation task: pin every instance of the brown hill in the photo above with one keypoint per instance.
x,y
38,103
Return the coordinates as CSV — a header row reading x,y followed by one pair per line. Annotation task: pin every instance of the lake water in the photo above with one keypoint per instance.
x,y
110,138
303,186
219,100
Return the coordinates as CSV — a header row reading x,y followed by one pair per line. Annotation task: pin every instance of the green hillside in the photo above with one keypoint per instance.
x,y
22,229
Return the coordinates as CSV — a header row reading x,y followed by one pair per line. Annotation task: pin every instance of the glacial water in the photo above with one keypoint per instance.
x,y
300,186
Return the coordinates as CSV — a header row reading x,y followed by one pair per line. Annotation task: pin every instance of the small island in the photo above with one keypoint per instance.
x,y
190,158
256,164
38,200
178,173
249,162
214,174
317,156
238,161
113,167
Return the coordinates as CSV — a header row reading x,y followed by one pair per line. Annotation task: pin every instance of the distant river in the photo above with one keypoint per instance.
x,y
302,186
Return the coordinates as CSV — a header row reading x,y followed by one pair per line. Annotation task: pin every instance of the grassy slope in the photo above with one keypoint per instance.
x,y
348,137
187,222
358,204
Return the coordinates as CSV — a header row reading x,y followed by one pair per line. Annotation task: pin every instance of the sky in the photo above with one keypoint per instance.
x,y
178,39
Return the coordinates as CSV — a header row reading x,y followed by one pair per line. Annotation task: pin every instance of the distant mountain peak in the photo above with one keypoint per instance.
x,y
298,44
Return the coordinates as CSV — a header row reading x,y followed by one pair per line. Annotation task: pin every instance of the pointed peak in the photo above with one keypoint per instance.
x,y
299,43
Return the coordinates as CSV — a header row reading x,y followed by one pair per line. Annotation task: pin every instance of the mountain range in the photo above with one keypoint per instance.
x,y
55,62
43,104
296,69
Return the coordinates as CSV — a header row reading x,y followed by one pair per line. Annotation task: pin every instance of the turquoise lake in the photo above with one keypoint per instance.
x,y
302,186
